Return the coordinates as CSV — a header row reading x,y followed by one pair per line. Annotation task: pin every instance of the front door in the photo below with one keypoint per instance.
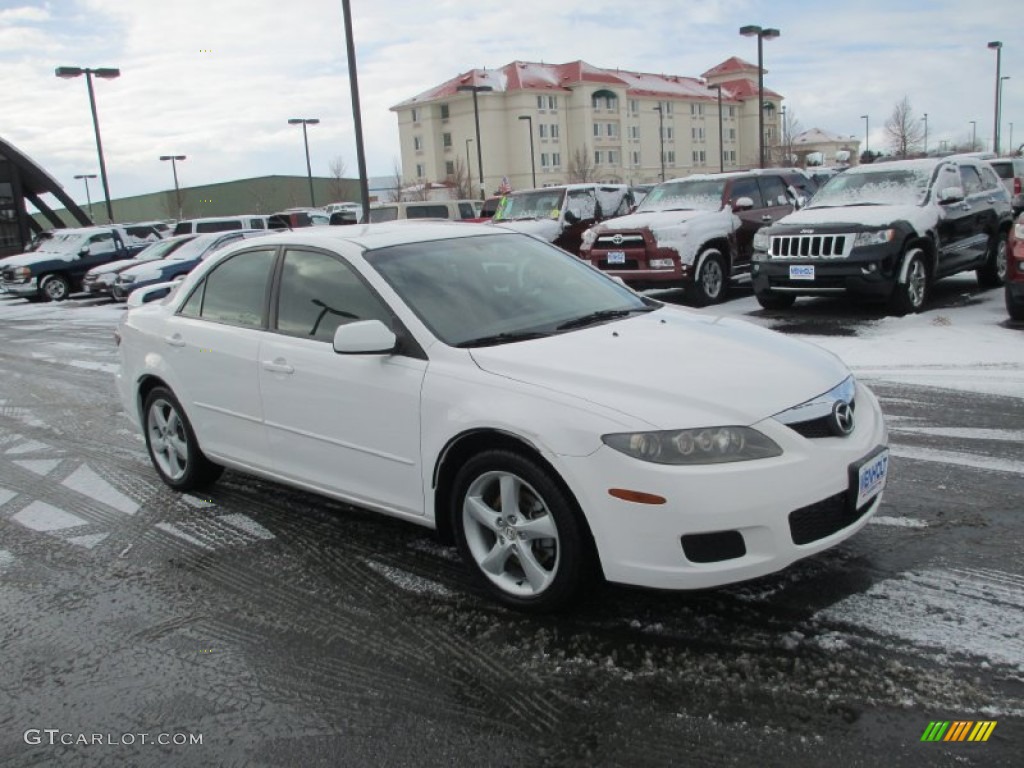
x,y
751,220
957,225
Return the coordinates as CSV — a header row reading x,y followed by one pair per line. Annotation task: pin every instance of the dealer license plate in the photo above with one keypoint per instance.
x,y
616,257
870,475
801,272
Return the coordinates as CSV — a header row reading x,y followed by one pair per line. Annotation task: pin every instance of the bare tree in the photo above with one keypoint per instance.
x,y
904,129
337,186
781,154
581,166
460,181
395,192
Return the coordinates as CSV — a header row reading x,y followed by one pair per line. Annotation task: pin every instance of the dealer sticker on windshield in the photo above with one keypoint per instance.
x,y
801,272
870,476
616,257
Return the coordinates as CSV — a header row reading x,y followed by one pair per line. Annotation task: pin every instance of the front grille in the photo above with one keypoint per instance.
x,y
816,521
810,246
607,242
713,547
813,429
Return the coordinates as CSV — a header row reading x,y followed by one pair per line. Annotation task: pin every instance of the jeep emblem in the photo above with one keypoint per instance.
x,y
806,231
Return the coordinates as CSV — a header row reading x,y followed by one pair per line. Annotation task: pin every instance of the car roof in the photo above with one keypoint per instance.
x,y
384,234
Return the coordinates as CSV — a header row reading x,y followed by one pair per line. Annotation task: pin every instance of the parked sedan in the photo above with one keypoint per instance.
x,y
1015,272
100,280
178,264
489,385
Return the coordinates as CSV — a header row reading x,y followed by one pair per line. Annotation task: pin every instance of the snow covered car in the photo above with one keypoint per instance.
x,y
693,233
100,280
888,230
561,215
1015,272
492,386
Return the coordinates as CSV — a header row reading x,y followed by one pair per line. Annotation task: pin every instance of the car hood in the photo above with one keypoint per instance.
x,y
115,266
673,368
651,220
546,229
867,216
31,258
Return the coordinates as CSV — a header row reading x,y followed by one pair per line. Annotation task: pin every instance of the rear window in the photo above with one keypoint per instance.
x,y
218,226
1004,170
378,215
184,228
466,211
426,212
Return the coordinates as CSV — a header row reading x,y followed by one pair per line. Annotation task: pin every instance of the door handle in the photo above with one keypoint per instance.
x,y
175,340
279,365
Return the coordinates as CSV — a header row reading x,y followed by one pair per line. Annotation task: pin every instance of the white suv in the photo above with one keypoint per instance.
x,y
1011,171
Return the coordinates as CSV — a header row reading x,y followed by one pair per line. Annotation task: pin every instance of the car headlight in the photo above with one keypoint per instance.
x,y
126,278
761,240
880,237
22,273
589,237
1018,228
707,445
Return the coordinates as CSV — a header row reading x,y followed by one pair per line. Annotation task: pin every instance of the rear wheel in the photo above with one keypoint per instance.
x,y
993,273
772,300
172,443
710,283
54,288
910,296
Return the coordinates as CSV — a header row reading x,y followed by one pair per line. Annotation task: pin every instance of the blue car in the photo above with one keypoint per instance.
x,y
178,264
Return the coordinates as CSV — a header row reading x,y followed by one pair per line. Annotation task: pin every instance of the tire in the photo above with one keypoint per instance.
x,y
711,283
1014,305
524,570
912,295
172,443
993,274
54,288
770,300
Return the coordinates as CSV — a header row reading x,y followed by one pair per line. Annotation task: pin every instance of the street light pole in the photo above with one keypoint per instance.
x,y
925,118
997,46
749,31
1001,79
974,135
475,89
174,170
107,73
533,164
304,121
357,119
721,133
86,176
469,168
867,133
661,132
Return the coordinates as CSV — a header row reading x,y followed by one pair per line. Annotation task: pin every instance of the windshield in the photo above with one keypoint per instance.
x,y
159,250
539,204
193,249
696,195
483,290
61,243
891,186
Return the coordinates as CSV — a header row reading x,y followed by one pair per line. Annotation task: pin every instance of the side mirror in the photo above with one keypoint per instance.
x,y
571,218
743,204
85,250
949,195
365,337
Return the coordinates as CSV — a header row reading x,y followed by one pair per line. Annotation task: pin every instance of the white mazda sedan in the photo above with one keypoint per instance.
x,y
556,425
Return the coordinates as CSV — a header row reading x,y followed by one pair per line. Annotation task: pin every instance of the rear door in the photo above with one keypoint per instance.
x,y
956,223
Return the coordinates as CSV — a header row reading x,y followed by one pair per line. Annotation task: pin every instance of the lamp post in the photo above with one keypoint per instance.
x,y
762,34
533,164
106,73
475,89
174,169
997,46
721,133
1012,152
867,133
87,176
925,118
304,121
974,135
357,119
469,168
661,132
1001,79
787,160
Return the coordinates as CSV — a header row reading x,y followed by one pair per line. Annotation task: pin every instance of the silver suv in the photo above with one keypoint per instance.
x,y
1011,171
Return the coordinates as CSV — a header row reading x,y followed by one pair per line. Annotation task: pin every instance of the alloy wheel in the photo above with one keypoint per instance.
x,y
168,440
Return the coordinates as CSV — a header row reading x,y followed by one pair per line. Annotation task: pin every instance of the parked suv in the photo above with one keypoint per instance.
x,y
1015,272
1011,171
888,230
561,215
456,210
694,233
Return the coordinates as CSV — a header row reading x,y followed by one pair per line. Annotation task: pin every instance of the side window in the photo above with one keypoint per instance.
x,y
320,292
746,188
583,203
101,243
989,178
773,190
971,179
426,212
256,224
235,291
948,177
377,215
218,226
466,211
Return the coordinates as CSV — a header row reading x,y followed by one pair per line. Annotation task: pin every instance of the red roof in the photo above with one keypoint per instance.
x,y
730,65
744,89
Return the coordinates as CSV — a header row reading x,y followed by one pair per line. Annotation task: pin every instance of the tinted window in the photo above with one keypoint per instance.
x,y
218,226
773,190
1005,170
989,178
466,211
319,292
378,215
971,179
234,291
746,188
256,224
426,212
184,228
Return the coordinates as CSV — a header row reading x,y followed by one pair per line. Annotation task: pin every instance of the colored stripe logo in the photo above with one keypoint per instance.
x,y
958,730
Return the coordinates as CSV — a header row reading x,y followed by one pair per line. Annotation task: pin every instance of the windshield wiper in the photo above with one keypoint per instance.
x,y
599,317
502,338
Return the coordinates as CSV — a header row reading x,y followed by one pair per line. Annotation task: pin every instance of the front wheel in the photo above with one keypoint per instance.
x,y
1014,305
519,531
710,283
911,295
172,443
993,273
54,288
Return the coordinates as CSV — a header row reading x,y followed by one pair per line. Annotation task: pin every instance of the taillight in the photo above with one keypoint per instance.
x,y
1016,185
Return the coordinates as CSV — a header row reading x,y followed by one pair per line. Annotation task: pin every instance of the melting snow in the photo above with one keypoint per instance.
x,y
88,483
40,516
409,582
246,524
39,466
899,522
962,459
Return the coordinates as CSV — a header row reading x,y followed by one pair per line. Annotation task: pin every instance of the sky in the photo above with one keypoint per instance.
x,y
217,80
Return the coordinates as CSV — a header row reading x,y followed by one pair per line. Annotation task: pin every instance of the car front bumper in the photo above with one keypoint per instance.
x,y
869,271
26,290
770,503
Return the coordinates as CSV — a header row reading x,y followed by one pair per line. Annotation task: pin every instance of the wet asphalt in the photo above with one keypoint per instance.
x,y
285,629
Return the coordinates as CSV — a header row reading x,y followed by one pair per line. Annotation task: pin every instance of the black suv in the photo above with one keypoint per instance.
x,y
888,230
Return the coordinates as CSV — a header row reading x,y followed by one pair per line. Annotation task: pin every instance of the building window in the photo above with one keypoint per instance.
x,y
731,135
666,107
699,157
697,134
598,157
634,131
417,142
446,140
769,133
545,160
556,159
636,159
730,156
421,170
613,157
554,130
444,111
668,133
547,102
696,110
597,130
542,130
613,130
604,101
730,111
415,115
670,157
449,168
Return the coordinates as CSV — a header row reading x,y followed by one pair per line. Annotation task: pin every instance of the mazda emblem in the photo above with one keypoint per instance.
x,y
841,422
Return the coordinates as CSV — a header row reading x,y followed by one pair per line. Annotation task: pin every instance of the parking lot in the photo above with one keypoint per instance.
x,y
288,629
